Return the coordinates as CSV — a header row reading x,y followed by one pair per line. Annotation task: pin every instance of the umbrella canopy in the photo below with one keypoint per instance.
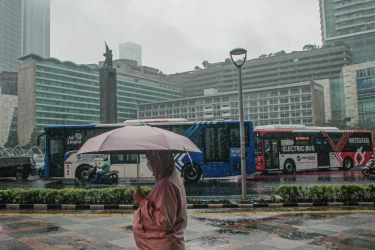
x,y
138,140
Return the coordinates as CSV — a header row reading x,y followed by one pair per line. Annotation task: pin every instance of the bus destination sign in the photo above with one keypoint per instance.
x,y
298,149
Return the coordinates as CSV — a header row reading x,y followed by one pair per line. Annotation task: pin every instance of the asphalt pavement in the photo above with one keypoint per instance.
x,y
224,188
297,228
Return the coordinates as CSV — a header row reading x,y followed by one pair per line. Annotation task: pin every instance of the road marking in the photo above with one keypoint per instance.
x,y
190,213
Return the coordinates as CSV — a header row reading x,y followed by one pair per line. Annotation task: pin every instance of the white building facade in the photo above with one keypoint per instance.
x,y
298,103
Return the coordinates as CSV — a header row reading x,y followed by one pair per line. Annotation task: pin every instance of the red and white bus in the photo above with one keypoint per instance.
x,y
290,148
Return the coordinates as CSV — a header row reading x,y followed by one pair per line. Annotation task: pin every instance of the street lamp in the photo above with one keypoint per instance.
x,y
240,52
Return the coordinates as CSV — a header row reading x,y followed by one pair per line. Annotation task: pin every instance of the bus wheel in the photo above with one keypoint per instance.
x,y
192,174
289,167
82,171
348,163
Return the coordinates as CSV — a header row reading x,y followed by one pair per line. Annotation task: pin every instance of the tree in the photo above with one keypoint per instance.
x,y
262,56
197,68
281,52
205,64
270,55
309,47
340,124
34,138
228,61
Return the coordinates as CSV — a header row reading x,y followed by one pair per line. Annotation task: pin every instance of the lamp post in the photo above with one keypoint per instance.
x,y
240,52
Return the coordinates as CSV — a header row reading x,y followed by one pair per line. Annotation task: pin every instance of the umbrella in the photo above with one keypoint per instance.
x,y
138,140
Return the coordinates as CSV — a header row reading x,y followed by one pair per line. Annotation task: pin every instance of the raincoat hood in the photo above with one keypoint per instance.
x,y
162,163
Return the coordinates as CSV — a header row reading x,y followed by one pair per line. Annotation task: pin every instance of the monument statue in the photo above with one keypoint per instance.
x,y
108,57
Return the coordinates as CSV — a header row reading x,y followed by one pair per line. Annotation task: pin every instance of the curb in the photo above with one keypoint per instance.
x,y
189,206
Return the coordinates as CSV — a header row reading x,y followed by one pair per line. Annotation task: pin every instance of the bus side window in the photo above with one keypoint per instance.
x,y
223,144
235,137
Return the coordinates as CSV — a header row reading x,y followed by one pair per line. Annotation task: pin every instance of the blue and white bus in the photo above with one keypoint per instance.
x,y
218,140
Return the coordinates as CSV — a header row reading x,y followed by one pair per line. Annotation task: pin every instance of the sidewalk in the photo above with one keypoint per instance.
x,y
267,228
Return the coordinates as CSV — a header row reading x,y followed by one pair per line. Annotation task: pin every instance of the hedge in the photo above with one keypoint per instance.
x,y
347,193
120,195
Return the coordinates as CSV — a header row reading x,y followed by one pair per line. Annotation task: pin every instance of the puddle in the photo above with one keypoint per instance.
x,y
26,226
62,240
298,235
315,216
263,227
230,231
360,243
290,222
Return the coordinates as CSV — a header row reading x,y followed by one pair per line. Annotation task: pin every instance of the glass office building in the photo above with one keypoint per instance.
x,y
366,94
52,92
10,34
36,27
350,22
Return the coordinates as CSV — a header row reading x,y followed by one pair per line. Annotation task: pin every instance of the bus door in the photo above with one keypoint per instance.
x,y
271,153
322,150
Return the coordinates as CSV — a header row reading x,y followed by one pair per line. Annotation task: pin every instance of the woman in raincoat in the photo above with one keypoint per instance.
x,y
161,219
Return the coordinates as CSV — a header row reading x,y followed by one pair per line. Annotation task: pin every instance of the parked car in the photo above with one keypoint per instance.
x,y
16,166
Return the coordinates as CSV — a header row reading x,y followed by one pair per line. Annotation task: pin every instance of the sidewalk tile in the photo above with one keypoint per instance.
x,y
124,243
5,237
102,234
282,243
76,227
14,245
330,227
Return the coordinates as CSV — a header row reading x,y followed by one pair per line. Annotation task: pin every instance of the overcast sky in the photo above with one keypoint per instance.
x,y
177,35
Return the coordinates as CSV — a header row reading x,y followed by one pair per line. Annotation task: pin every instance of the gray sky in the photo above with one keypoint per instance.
x,y
177,35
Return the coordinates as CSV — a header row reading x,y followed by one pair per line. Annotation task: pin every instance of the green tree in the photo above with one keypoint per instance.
x,y
281,52
262,56
34,138
205,64
309,47
340,124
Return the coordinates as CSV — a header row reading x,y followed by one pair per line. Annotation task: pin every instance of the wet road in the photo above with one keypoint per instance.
x,y
265,229
257,184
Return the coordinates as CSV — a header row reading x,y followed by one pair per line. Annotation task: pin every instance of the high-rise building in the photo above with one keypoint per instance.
x,y
8,83
36,27
10,34
131,51
24,29
298,66
350,22
52,92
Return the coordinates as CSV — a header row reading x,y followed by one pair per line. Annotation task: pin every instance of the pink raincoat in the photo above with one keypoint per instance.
x,y
161,218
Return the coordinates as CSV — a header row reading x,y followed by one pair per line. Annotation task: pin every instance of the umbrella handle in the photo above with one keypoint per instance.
x,y
191,161
138,171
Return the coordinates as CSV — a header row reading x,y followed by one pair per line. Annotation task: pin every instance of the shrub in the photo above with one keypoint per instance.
x,y
351,192
321,193
290,193
370,192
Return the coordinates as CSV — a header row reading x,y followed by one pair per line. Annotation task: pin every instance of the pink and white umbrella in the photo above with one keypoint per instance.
x,y
138,140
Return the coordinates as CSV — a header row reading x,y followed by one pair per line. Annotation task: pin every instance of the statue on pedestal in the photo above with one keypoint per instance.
x,y
108,57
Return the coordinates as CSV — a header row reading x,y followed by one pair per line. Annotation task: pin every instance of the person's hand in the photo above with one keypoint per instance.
x,y
138,196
